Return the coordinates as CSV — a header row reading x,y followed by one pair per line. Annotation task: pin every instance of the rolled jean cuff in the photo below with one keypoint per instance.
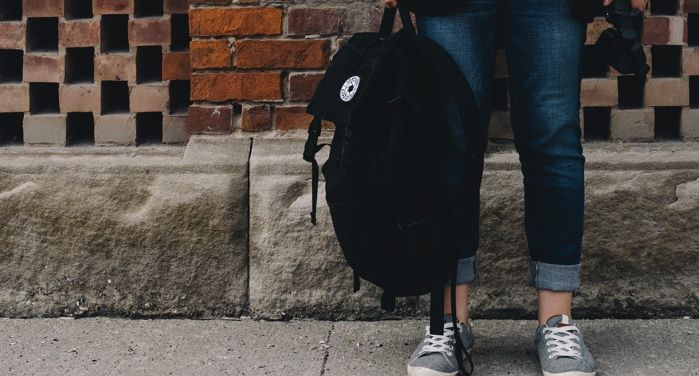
x,y
466,271
554,277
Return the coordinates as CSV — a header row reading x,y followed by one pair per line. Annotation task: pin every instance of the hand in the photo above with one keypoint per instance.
x,y
391,3
638,4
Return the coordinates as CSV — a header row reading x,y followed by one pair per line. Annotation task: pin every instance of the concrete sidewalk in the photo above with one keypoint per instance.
x,y
246,347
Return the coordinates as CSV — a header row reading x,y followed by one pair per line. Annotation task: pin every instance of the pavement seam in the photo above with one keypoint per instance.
x,y
326,354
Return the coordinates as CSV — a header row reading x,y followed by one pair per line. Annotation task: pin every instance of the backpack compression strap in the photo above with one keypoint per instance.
x,y
309,154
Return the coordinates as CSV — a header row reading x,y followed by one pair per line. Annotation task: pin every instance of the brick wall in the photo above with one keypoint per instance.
x,y
117,71
93,71
255,64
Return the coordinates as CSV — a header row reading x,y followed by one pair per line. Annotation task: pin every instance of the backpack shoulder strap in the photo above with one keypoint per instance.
x,y
311,148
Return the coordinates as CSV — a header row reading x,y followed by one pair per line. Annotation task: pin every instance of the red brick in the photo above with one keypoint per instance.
x,y
79,98
43,68
661,30
235,21
42,8
282,53
257,118
176,66
303,85
49,129
115,67
175,129
149,32
112,6
689,129
691,6
363,17
667,92
79,33
226,86
119,129
656,30
599,92
14,98
210,119
291,118
305,21
210,54
12,35
176,6
149,98
690,63
212,1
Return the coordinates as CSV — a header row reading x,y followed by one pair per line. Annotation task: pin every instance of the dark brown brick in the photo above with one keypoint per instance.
x,y
210,119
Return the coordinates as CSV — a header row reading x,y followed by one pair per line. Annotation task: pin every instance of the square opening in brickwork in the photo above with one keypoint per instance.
x,y
148,8
667,61
665,7
11,128
667,123
115,97
149,64
179,97
43,98
500,100
149,128
631,90
179,32
694,91
597,123
115,33
693,29
77,9
42,34
11,62
592,65
10,10
80,65
80,128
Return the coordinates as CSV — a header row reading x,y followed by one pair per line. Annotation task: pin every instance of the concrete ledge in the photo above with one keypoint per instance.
x,y
127,232
640,247
172,231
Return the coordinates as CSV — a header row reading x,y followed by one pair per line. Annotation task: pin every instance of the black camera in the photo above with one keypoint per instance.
x,y
621,46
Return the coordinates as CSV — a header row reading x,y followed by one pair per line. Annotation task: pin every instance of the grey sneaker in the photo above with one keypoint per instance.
x,y
561,349
435,355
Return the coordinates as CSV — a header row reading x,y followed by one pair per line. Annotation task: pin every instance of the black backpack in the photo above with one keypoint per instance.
x,y
398,211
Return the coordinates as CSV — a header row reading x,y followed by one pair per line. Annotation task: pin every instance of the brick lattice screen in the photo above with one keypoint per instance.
x,y
117,71
94,71
256,63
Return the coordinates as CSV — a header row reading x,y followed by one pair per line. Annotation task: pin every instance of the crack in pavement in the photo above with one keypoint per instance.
x,y
327,350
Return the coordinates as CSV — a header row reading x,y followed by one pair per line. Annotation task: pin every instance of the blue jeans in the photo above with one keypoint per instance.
x,y
543,43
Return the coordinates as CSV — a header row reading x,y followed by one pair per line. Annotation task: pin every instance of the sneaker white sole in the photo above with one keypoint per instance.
x,y
572,373
421,371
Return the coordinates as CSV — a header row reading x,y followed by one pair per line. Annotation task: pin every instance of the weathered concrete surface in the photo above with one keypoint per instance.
x,y
41,347
621,348
124,231
641,248
101,346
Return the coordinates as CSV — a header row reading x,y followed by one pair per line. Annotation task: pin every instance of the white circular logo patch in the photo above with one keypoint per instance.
x,y
349,89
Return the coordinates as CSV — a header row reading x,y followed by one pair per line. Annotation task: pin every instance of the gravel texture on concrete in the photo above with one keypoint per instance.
x,y
348,348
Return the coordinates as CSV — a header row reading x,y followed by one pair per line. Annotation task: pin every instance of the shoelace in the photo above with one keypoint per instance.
x,y
563,342
439,343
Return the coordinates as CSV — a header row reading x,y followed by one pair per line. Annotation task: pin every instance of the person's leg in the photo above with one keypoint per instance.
x,y
469,38
544,46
